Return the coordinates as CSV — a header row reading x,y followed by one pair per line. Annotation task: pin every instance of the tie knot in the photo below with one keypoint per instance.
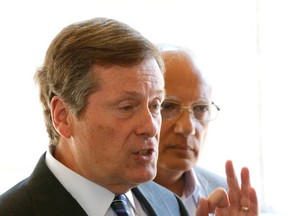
x,y
121,197
120,206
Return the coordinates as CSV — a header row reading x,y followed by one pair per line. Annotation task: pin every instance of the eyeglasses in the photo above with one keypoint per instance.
x,y
202,111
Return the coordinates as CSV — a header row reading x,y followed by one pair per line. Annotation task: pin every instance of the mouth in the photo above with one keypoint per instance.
x,y
182,147
145,154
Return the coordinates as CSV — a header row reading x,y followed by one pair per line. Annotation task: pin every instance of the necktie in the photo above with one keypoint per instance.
x,y
119,205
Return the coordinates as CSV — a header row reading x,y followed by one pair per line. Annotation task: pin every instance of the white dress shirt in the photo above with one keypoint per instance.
x,y
192,192
93,198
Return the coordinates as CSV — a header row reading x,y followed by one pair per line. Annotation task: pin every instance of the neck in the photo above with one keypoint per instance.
x,y
174,181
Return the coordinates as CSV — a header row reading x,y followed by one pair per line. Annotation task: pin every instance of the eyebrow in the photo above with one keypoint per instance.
x,y
199,100
172,98
134,95
161,93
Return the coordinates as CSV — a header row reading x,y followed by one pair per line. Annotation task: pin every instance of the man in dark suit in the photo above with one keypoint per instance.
x,y
43,194
101,87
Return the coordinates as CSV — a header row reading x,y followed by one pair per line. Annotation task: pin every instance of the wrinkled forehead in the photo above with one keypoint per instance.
x,y
146,75
183,79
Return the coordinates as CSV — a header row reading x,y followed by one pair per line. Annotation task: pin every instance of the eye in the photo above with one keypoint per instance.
x,y
126,107
169,106
201,108
155,106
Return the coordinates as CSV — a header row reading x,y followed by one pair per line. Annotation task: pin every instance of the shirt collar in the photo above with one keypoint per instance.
x,y
192,186
93,198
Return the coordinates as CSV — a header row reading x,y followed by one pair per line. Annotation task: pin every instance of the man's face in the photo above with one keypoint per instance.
x,y
115,142
182,138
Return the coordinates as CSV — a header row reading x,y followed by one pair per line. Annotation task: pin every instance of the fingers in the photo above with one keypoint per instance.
x,y
254,209
218,199
203,207
233,185
236,201
245,188
241,197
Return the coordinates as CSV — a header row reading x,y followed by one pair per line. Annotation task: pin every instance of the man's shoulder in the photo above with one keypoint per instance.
x,y
22,194
155,191
214,179
15,196
154,187
35,194
205,172
162,200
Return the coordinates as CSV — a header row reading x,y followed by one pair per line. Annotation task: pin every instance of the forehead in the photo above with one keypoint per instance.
x,y
144,77
183,78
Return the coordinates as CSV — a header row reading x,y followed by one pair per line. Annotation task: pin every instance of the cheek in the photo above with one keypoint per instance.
x,y
112,142
105,136
166,129
105,148
97,138
203,131
165,125
165,134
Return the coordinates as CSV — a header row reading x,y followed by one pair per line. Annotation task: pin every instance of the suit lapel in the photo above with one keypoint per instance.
x,y
144,202
46,190
158,200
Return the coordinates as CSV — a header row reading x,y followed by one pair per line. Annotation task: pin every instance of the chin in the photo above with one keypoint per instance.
x,y
183,167
144,176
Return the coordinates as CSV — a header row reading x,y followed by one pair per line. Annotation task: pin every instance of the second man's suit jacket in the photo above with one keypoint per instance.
x,y
209,181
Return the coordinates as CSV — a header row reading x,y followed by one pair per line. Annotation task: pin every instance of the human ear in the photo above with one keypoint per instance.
x,y
60,116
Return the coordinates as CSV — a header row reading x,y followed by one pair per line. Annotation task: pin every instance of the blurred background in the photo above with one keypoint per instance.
x,y
241,44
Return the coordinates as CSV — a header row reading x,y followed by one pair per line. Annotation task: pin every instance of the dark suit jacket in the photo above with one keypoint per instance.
x,y
42,194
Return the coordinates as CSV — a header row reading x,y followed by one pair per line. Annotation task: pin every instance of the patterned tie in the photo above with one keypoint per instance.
x,y
119,205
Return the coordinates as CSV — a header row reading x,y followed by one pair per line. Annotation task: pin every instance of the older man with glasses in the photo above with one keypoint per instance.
x,y
186,112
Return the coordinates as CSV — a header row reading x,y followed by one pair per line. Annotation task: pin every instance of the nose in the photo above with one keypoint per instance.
x,y
148,125
185,124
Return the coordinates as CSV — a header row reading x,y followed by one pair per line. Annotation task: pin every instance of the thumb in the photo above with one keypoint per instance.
x,y
218,199
203,207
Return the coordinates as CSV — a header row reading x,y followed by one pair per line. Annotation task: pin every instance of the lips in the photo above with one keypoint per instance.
x,y
146,152
182,146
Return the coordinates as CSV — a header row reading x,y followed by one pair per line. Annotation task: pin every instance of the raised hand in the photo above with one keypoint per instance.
x,y
240,201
